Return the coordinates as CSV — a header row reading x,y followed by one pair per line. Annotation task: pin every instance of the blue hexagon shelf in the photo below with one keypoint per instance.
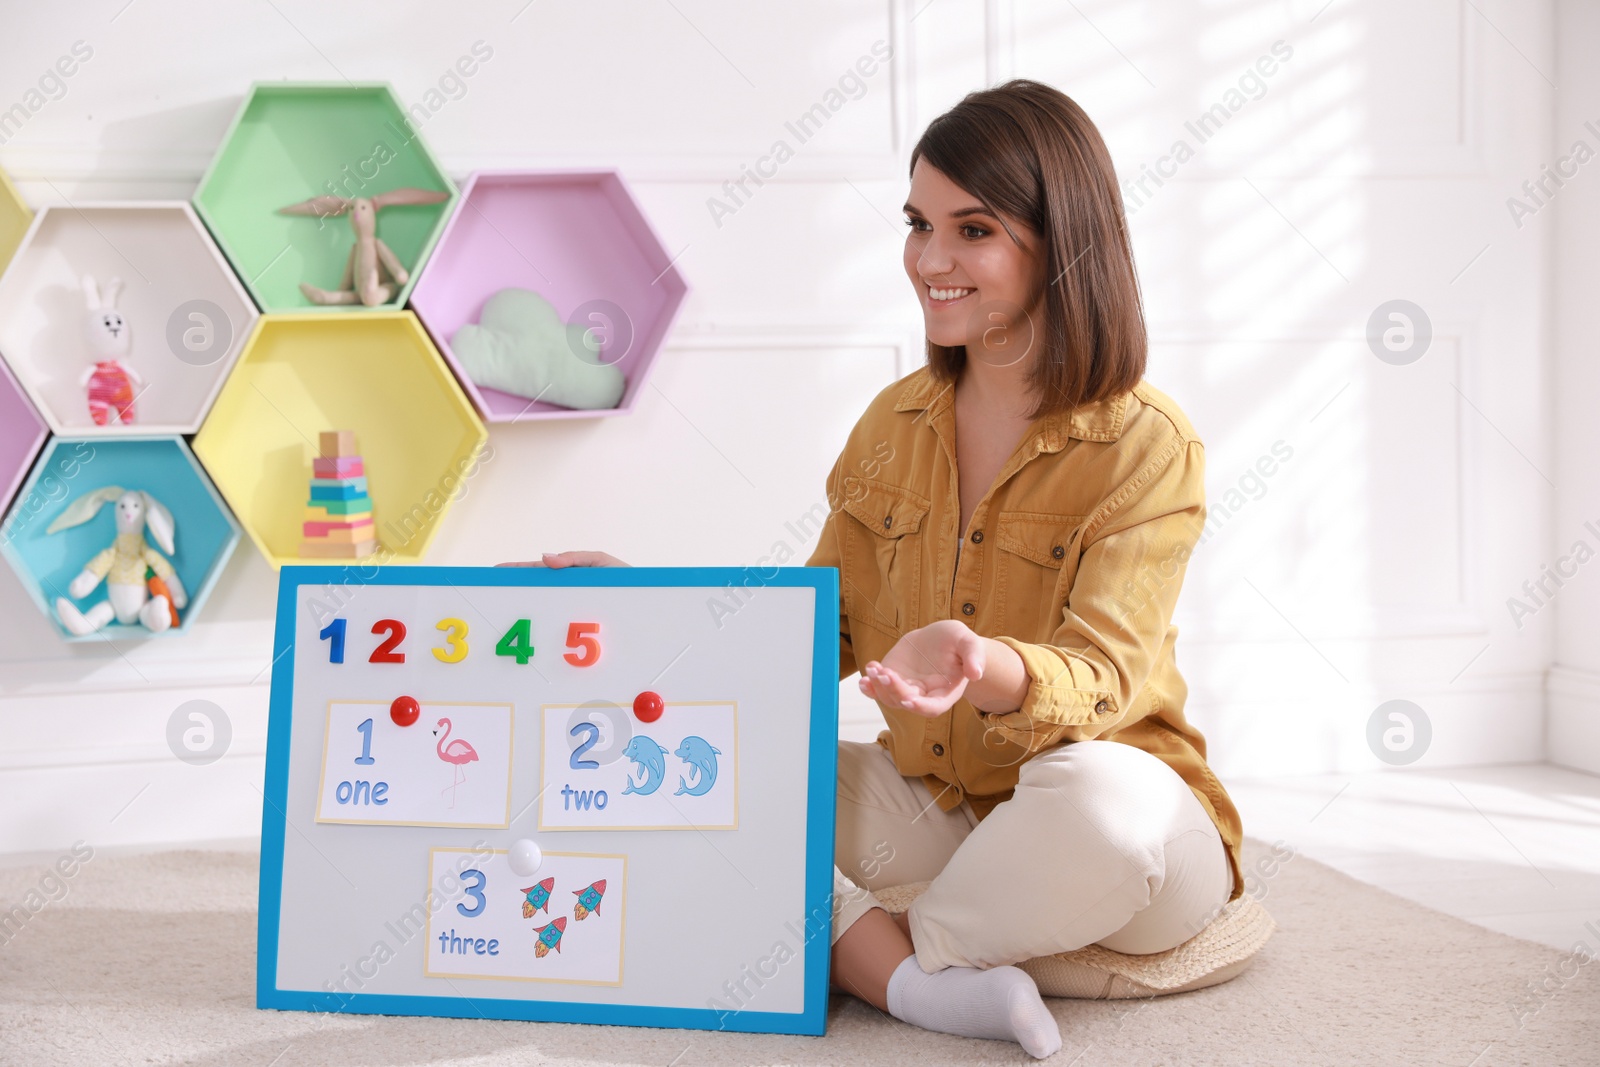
x,y
205,537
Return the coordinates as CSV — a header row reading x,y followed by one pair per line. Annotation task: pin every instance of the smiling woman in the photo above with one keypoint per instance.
x,y
1036,475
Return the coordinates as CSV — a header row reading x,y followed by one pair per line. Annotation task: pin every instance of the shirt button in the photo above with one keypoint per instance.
x,y
1057,552
967,608
1101,708
977,537
888,521
938,750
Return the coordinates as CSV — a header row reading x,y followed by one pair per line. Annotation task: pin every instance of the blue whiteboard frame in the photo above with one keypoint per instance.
x,y
820,800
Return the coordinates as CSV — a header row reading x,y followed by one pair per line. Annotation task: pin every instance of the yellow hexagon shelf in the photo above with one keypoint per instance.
x,y
15,217
376,374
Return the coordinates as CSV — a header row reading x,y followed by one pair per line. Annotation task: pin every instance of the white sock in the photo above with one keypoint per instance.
x,y
1001,1003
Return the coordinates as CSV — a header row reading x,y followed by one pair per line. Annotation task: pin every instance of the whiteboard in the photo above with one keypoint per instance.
x,y
425,722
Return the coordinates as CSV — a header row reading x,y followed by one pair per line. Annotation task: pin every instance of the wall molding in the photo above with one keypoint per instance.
x,y
1572,718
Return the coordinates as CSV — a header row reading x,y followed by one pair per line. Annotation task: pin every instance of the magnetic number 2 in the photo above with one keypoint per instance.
x,y
385,652
333,633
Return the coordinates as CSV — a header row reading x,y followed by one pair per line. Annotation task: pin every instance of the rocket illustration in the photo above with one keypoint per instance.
x,y
538,897
589,899
549,936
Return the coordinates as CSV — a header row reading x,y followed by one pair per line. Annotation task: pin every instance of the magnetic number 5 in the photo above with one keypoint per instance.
x,y
583,638
455,641
475,891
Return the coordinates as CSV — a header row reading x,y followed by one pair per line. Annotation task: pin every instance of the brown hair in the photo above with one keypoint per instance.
x,y
1025,149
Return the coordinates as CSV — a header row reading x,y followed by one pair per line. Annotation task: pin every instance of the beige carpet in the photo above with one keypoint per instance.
x,y
151,960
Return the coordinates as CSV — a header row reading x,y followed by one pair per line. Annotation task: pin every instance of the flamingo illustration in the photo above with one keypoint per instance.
x,y
458,753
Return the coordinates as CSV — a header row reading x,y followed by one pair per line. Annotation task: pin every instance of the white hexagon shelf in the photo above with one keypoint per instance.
x,y
170,333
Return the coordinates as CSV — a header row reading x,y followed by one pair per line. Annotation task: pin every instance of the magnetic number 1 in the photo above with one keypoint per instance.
x,y
334,634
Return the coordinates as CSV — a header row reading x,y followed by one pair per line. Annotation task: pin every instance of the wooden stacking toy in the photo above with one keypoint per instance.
x,y
338,522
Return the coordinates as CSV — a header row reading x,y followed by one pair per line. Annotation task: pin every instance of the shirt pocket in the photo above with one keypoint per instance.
x,y
881,553
1032,553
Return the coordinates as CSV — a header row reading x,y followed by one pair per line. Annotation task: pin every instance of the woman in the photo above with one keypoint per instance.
x,y
1011,524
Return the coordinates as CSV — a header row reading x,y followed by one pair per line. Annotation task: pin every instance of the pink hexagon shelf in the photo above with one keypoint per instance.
x,y
180,311
22,433
575,237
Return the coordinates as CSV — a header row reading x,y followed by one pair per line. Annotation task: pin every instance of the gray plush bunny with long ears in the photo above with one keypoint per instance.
x,y
369,257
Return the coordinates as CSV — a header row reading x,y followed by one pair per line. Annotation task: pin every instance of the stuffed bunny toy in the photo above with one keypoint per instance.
x,y
123,564
363,271
111,382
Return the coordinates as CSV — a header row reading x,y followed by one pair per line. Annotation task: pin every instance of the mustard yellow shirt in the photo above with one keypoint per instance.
x,y
1074,558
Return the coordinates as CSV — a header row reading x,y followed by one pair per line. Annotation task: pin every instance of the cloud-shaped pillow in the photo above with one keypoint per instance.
x,y
519,345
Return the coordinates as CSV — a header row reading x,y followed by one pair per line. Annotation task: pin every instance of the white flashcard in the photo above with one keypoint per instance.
x,y
563,923
450,767
606,769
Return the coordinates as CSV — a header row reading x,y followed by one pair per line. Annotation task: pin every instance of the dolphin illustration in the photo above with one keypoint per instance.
x,y
649,757
698,754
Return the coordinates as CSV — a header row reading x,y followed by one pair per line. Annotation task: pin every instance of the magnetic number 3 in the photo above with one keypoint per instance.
x,y
455,641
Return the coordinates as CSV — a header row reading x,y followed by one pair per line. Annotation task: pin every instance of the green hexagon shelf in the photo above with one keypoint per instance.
x,y
291,141
204,532
14,220
377,374
186,315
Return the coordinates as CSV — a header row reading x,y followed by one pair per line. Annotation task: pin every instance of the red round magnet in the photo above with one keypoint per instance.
x,y
647,706
404,711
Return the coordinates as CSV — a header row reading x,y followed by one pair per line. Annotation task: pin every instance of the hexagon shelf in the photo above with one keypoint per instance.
x,y
185,313
204,532
14,220
575,237
376,374
22,431
291,141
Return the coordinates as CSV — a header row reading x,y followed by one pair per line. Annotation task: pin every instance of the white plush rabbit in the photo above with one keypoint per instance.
x,y
112,384
123,564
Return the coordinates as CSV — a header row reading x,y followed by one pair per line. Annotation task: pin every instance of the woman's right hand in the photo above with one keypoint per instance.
x,y
557,560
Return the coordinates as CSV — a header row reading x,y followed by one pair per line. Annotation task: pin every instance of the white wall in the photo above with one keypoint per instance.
x,y
1574,684
1375,563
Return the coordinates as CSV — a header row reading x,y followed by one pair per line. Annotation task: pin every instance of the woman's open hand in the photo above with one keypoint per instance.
x,y
928,669
557,560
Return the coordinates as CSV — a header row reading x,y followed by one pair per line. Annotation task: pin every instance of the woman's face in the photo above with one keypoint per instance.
x,y
977,287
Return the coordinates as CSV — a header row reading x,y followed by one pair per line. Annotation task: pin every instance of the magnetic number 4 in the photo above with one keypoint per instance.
x,y
517,642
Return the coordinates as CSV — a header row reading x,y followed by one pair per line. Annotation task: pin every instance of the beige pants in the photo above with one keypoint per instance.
x,y
1102,843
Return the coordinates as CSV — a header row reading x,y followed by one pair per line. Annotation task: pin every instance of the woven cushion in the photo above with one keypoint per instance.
x,y
1214,955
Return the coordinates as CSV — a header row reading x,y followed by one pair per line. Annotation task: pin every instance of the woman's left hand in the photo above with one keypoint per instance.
x,y
927,670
